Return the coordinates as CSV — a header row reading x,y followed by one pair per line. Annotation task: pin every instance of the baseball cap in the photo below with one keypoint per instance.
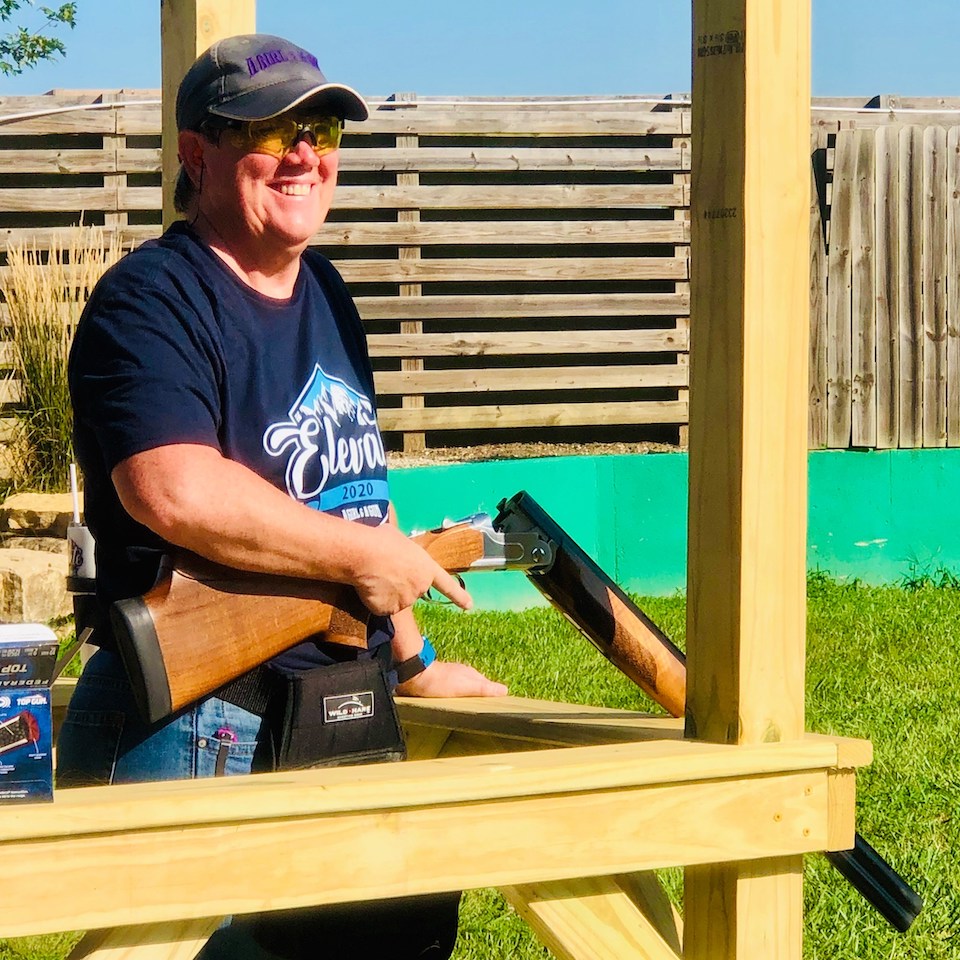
x,y
258,76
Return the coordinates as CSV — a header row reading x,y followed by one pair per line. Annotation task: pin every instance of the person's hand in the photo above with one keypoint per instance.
x,y
448,679
399,572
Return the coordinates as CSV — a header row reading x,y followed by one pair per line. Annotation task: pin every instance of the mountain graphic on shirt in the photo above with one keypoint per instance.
x,y
335,457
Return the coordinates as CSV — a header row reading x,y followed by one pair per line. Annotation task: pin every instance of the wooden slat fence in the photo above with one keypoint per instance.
x,y
518,266
885,312
522,266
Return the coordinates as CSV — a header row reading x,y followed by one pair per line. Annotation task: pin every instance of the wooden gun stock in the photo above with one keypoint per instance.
x,y
203,624
626,636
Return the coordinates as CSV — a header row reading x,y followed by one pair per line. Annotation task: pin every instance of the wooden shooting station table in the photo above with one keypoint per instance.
x,y
568,809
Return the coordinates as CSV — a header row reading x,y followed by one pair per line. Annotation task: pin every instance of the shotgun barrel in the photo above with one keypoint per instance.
x,y
623,633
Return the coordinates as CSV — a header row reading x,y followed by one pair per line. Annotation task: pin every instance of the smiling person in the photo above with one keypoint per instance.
x,y
224,404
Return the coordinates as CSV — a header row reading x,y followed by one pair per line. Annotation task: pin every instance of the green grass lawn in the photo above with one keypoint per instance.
x,y
882,663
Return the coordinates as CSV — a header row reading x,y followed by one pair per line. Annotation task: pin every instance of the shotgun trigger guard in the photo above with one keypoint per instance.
x,y
431,597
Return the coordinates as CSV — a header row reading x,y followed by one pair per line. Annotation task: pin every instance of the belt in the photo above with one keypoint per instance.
x,y
254,691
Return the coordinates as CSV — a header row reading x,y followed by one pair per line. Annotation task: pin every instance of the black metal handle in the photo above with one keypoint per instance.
x,y
881,886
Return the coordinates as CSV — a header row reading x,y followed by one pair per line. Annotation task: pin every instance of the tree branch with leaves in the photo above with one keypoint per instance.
x,y
24,47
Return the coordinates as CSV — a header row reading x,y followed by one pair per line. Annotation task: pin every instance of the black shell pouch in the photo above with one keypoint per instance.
x,y
333,716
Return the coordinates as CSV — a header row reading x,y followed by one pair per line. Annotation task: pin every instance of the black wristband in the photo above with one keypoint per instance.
x,y
412,666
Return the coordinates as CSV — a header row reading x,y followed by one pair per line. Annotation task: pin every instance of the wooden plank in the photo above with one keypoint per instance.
x,y
515,720
81,121
485,269
608,377
750,213
78,199
174,940
887,170
515,840
541,117
460,344
647,892
863,306
524,305
498,269
504,344
533,415
839,284
487,120
909,276
43,237
933,295
625,196
953,289
589,919
74,161
512,159
479,233
179,804
817,432
842,787
482,233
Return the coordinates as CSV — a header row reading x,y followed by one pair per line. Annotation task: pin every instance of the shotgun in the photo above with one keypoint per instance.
x,y
626,636
202,624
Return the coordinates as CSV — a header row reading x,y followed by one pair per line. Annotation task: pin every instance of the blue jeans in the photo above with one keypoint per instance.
x,y
103,740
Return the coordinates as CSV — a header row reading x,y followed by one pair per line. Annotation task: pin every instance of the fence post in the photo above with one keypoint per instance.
x,y
187,28
412,442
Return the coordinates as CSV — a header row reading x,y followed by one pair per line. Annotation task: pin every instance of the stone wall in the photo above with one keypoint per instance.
x,y
34,557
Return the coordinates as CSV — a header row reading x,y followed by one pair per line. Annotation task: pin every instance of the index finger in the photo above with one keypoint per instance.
x,y
451,588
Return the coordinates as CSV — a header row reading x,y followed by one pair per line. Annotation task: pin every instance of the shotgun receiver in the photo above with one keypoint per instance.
x,y
623,633
202,624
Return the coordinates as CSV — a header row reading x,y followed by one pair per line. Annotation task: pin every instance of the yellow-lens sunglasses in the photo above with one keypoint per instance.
x,y
278,136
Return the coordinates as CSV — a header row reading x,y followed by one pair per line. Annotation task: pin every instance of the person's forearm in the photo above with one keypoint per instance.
x,y
407,640
195,498
225,512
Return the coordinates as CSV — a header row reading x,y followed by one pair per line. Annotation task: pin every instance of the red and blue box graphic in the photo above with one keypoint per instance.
x,y
28,656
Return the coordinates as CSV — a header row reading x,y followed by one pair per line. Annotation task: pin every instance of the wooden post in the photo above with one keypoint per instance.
x,y
748,432
187,28
412,442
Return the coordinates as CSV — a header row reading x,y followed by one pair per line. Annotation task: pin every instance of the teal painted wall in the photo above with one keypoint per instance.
x,y
875,515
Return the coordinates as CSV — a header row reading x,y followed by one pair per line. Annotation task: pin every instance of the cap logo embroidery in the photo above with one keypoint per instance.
x,y
271,58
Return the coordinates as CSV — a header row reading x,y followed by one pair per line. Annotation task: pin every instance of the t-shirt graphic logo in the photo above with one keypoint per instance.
x,y
335,457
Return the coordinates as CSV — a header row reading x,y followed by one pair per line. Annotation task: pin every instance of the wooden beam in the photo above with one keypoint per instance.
x,y
596,918
175,940
748,432
140,853
187,28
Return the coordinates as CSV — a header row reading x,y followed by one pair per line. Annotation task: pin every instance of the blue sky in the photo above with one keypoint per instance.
x,y
523,47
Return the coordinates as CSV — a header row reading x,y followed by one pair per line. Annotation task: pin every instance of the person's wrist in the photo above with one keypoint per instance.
x,y
415,665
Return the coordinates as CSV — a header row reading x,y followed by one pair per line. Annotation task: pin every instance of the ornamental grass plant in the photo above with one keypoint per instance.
x,y
45,291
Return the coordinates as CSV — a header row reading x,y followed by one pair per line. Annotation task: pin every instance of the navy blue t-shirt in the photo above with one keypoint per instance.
x,y
174,348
